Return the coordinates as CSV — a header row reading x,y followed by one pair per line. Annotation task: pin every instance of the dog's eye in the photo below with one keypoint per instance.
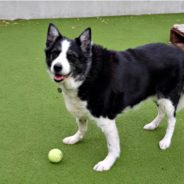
x,y
72,55
55,53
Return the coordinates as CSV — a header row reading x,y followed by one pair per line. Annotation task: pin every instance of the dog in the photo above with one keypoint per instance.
x,y
99,84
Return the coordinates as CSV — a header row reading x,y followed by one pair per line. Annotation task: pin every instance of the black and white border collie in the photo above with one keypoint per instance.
x,y
99,84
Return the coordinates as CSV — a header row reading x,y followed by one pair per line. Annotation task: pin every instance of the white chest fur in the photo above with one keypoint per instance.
x,y
74,105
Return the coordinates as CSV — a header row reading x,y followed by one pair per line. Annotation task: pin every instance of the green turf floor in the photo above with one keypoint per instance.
x,y
33,118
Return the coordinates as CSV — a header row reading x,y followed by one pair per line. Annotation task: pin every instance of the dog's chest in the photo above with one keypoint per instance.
x,y
75,105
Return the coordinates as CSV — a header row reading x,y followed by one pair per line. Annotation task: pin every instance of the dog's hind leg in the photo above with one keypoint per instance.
x,y
155,123
170,112
82,129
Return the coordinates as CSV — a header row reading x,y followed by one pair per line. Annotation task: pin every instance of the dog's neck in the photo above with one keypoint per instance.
x,y
100,57
93,70
70,84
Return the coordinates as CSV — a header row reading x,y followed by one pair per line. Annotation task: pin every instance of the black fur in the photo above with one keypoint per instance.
x,y
115,80
106,82
79,53
120,79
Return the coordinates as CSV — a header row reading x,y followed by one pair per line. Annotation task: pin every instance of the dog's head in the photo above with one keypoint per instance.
x,y
68,58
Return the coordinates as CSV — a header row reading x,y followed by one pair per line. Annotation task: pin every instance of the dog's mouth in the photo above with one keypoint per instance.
x,y
59,77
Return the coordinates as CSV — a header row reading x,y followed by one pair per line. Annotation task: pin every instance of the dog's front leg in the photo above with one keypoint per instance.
x,y
109,129
82,129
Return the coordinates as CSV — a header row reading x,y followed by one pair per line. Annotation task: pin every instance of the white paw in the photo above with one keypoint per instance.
x,y
150,126
71,140
102,166
106,164
164,144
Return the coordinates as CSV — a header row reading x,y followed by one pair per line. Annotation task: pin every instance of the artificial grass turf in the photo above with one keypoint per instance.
x,y
33,118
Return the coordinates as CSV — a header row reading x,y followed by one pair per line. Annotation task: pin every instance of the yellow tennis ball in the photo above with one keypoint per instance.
x,y
55,155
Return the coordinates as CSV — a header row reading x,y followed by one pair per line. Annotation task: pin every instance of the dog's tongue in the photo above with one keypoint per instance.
x,y
59,77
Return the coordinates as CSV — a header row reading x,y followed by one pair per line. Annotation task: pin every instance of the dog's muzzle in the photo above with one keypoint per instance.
x,y
58,76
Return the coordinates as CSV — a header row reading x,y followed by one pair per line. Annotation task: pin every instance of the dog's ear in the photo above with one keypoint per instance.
x,y
52,34
84,40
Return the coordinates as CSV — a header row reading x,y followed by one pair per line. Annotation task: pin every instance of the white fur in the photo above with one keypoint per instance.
x,y
110,131
78,109
155,123
82,129
74,105
62,59
169,110
70,84
161,113
165,107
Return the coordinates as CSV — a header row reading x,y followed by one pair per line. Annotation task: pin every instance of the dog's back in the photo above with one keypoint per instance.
x,y
126,78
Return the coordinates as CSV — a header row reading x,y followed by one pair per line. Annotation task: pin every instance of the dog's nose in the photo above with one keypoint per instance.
x,y
57,67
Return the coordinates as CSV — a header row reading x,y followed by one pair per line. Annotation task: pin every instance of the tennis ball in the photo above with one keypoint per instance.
x,y
55,155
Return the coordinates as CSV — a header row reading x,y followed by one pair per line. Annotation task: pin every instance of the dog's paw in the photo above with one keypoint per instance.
x,y
164,144
150,126
71,140
106,164
102,166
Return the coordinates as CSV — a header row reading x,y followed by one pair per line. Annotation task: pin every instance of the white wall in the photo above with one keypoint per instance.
x,y
59,9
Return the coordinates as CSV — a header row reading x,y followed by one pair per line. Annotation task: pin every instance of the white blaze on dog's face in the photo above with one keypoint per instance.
x,y
62,60
68,60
